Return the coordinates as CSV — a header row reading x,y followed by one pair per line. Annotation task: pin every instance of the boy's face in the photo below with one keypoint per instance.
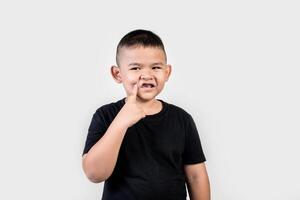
x,y
146,65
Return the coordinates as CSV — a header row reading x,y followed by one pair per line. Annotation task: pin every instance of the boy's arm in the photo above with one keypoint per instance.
x,y
197,181
99,163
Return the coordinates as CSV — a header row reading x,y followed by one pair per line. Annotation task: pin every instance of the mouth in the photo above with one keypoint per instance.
x,y
147,85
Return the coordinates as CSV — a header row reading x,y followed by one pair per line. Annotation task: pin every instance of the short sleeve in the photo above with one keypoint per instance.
x,y
193,152
96,130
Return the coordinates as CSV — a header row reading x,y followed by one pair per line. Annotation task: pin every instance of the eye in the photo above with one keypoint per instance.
x,y
134,68
156,67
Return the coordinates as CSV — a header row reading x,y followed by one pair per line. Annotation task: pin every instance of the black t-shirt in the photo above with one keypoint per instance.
x,y
152,154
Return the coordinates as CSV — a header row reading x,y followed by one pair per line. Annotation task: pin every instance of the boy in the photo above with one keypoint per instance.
x,y
142,147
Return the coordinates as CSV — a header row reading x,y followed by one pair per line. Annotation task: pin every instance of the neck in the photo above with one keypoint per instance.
x,y
150,107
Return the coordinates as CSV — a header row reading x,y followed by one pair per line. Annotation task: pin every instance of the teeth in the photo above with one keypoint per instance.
x,y
147,85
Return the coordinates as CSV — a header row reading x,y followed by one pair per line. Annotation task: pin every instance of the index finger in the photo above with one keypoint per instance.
x,y
134,91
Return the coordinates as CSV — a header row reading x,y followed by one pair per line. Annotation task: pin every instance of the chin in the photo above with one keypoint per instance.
x,y
147,97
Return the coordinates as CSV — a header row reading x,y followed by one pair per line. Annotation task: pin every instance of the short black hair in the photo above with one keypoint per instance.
x,y
140,38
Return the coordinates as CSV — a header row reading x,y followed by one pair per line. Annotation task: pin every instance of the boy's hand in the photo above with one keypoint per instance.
x,y
131,112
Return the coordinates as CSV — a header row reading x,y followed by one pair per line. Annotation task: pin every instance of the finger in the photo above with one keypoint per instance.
x,y
134,90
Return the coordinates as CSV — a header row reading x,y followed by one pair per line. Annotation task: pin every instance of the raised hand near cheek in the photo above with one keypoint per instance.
x,y
133,95
131,112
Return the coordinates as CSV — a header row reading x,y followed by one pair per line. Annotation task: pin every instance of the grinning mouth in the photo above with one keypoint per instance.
x,y
147,85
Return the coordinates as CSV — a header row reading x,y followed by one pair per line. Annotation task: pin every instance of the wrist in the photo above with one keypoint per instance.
x,y
120,123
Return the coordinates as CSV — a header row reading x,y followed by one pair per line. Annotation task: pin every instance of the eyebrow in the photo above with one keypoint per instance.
x,y
159,63
138,64
134,64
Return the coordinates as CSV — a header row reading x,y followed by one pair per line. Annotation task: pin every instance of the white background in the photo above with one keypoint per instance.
x,y
235,69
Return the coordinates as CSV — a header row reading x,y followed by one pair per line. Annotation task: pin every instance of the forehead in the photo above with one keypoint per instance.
x,y
142,55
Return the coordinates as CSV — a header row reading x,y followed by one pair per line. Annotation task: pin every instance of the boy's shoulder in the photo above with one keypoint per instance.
x,y
117,104
181,111
110,109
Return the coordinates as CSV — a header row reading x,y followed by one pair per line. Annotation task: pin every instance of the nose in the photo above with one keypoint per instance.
x,y
146,77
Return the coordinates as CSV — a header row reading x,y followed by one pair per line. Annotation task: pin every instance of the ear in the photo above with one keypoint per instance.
x,y
116,73
168,71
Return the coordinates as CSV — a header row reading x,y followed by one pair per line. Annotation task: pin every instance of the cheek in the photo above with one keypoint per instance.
x,y
129,81
131,78
161,77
